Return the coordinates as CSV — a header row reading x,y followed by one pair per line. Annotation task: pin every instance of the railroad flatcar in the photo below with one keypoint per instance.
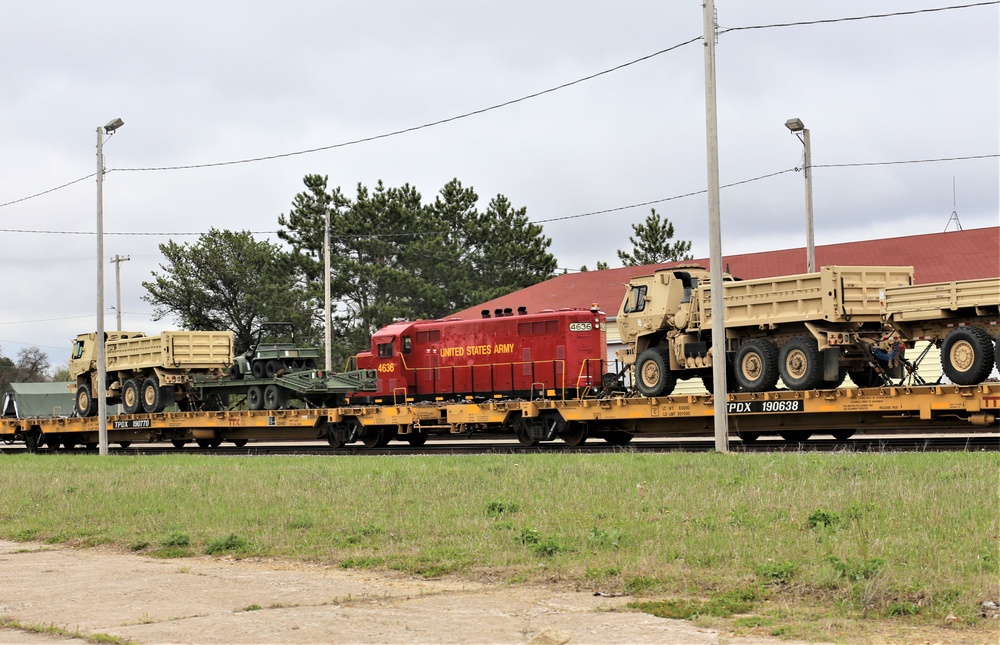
x,y
503,354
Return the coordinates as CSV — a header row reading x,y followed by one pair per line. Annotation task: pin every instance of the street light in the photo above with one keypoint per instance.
x,y
796,126
102,369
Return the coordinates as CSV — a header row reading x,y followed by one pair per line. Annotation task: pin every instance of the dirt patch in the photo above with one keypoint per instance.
x,y
209,600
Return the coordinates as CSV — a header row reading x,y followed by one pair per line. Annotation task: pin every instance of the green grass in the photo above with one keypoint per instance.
x,y
777,544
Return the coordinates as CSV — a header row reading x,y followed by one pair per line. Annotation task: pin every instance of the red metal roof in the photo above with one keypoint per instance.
x,y
935,257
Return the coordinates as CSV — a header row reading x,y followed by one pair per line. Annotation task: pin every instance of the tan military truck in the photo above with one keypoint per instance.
x,y
810,329
147,373
960,317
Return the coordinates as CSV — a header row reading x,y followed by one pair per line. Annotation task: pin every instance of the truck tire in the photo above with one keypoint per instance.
x,y
257,369
652,373
866,377
132,396
756,365
272,367
967,355
255,397
153,396
234,372
275,397
86,406
801,364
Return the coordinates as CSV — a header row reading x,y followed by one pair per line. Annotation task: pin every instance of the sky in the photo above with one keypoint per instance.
x,y
208,83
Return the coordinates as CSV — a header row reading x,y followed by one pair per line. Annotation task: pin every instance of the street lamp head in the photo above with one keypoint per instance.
x,y
795,125
113,125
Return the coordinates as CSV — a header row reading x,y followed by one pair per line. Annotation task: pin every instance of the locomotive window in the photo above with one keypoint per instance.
x,y
434,335
551,326
385,350
421,337
523,329
538,327
407,345
636,299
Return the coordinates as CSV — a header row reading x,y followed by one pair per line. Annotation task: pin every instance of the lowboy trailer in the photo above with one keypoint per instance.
x,y
795,415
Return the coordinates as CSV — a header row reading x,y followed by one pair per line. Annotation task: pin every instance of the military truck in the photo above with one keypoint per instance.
x,y
272,353
147,373
809,329
960,317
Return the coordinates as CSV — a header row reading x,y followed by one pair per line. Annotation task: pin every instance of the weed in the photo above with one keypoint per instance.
x,y
776,571
229,543
138,546
169,552
528,536
753,621
856,570
601,539
823,519
362,562
176,539
501,507
601,573
300,523
548,547
902,609
251,608
642,584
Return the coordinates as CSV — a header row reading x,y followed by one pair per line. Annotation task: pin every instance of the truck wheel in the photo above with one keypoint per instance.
x,y
372,437
708,381
967,355
800,364
756,365
234,372
653,375
86,406
417,439
274,397
272,367
866,377
617,437
255,397
257,369
153,396
132,396
575,434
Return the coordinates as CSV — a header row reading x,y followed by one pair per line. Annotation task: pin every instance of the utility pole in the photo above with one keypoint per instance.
x,y
102,367
117,261
327,314
715,238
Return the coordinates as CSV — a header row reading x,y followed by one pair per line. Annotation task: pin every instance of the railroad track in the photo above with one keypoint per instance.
x,y
860,444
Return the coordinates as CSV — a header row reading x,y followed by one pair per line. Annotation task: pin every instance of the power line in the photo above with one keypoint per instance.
x,y
541,221
855,18
509,102
50,190
422,126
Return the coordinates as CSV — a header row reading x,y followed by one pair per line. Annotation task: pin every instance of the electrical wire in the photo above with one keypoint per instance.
x,y
828,21
509,102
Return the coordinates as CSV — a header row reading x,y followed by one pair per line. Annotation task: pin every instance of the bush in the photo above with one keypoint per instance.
x,y
231,542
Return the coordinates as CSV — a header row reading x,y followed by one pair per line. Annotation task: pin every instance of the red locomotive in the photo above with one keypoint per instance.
x,y
552,353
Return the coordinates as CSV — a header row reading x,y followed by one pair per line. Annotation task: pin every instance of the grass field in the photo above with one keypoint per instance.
x,y
815,546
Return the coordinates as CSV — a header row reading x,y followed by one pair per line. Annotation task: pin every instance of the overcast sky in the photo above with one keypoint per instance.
x,y
208,82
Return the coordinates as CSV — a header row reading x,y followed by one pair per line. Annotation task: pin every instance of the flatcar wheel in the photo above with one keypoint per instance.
x,y
843,435
575,434
416,439
388,434
372,437
178,443
748,437
796,435
90,445
331,437
204,444
617,437
214,443
124,444
524,438
239,443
